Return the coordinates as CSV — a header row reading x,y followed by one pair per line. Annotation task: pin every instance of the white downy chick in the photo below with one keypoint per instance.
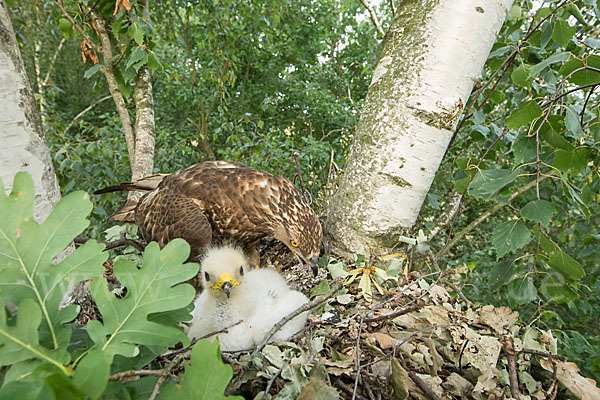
x,y
264,299
223,270
259,297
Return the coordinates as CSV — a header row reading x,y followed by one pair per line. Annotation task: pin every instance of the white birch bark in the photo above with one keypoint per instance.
x,y
431,57
23,147
144,124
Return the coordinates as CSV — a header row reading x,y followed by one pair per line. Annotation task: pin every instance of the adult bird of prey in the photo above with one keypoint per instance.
x,y
247,302
217,201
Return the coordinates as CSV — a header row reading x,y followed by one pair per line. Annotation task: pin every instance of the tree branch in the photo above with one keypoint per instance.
x,y
85,111
373,17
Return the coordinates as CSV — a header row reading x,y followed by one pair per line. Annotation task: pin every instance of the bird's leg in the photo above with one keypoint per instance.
x,y
253,254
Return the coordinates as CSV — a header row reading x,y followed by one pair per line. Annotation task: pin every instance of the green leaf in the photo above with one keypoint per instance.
x,y
510,236
576,12
539,211
566,265
522,290
572,123
150,289
20,342
27,251
322,288
539,67
500,275
524,148
65,26
36,390
205,379
563,32
92,71
583,77
136,33
558,290
551,132
337,270
138,58
92,373
521,75
575,159
489,182
524,115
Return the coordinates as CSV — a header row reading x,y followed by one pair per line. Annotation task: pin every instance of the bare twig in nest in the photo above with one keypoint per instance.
x,y
512,367
370,312
122,241
271,381
346,388
163,376
418,305
131,373
338,284
423,386
542,354
195,340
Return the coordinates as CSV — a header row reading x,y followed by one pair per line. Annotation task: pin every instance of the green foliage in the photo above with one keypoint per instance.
x,y
41,356
536,120
149,290
206,378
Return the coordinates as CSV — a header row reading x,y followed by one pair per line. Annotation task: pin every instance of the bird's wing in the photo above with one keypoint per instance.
x,y
163,216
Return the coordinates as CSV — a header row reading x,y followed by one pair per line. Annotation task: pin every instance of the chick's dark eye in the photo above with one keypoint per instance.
x,y
207,276
241,270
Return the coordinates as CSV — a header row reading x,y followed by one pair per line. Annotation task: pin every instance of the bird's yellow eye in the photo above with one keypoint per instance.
x,y
293,243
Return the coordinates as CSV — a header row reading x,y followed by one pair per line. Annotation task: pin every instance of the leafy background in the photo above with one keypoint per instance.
x,y
274,77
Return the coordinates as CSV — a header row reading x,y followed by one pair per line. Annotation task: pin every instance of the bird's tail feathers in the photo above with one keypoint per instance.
x,y
126,212
144,184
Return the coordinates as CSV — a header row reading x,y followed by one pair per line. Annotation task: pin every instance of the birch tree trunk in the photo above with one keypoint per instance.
x,y
431,57
144,124
23,146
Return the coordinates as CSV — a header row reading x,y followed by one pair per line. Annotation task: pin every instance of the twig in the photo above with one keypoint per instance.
x,y
587,99
346,388
85,110
271,381
485,216
163,376
195,340
122,241
362,320
131,373
296,154
298,311
542,354
420,304
423,386
512,367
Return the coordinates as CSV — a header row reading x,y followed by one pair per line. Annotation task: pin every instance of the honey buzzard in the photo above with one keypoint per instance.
x,y
220,201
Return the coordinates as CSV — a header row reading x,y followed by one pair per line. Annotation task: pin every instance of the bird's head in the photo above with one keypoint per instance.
x,y
223,269
303,237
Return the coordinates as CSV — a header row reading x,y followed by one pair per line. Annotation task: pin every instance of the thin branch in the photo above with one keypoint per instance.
x,y
485,216
271,381
300,178
587,99
417,306
85,111
122,241
512,367
373,17
132,373
300,310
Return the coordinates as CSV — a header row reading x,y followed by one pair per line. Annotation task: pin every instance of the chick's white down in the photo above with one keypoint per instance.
x,y
261,299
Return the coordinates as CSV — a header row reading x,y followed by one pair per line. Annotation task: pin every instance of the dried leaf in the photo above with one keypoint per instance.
x,y
399,380
568,374
385,341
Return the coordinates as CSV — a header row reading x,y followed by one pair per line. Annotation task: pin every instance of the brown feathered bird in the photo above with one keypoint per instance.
x,y
218,201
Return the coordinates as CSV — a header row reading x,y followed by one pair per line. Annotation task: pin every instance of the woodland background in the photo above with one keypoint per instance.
x,y
256,82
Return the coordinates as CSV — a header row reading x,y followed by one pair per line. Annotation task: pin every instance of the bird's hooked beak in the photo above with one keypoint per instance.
x,y
226,282
313,264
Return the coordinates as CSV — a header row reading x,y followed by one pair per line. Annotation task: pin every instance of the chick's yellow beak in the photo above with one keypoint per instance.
x,y
225,283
